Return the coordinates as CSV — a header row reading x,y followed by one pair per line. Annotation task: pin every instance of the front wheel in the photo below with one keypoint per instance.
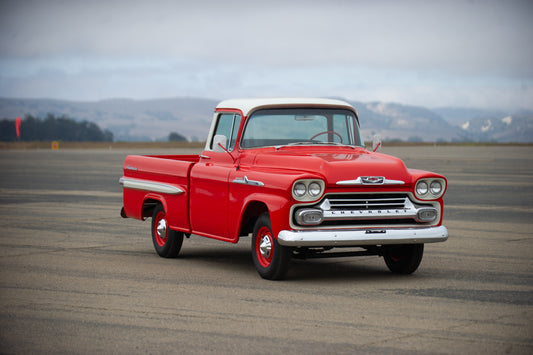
x,y
404,259
167,242
270,259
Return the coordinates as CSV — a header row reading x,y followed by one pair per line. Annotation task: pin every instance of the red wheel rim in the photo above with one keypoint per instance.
x,y
396,255
395,258
264,244
160,229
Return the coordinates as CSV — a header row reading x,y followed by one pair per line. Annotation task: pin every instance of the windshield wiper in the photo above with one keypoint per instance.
x,y
337,144
300,143
314,143
291,144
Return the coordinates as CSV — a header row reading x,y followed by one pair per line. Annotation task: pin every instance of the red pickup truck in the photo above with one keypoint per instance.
x,y
293,175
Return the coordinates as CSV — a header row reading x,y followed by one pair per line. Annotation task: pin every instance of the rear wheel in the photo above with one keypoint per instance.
x,y
270,259
167,242
404,259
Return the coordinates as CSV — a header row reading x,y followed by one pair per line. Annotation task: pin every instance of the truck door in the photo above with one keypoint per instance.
x,y
209,196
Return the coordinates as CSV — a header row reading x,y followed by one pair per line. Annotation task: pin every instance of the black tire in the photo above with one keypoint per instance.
x,y
271,260
403,259
167,242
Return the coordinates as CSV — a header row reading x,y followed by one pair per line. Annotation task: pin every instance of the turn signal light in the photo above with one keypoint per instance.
x,y
309,217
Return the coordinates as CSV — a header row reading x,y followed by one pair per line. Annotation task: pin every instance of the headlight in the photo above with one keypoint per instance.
x,y
435,187
430,188
299,189
308,189
315,189
421,188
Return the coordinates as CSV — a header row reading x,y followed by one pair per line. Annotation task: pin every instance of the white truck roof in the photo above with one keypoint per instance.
x,y
251,104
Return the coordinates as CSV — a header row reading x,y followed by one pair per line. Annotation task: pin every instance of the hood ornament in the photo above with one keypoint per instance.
x,y
372,180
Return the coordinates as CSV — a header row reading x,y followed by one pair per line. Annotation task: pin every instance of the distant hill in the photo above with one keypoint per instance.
x,y
401,122
148,120
491,125
459,115
517,128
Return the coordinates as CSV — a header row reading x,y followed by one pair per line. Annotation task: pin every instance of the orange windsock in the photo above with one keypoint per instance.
x,y
17,125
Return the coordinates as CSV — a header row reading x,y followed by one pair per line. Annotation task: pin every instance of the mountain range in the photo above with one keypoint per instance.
x,y
148,120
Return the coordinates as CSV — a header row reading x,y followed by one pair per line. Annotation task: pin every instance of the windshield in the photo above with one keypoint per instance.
x,y
277,127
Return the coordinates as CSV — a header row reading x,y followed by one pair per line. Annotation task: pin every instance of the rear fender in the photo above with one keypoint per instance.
x,y
175,208
149,203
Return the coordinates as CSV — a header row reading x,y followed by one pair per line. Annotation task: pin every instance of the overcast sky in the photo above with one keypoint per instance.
x,y
431,53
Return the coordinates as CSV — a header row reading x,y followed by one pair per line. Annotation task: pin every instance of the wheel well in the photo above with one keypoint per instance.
x,y
148,207
250,215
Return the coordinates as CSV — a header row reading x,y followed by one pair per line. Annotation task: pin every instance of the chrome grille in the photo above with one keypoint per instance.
x,y
369,210
364,202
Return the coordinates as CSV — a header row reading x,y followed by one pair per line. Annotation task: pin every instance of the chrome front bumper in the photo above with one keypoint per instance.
x,y
359,237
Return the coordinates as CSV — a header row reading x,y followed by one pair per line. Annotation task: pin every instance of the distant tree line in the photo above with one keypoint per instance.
x,y
176,137
53,128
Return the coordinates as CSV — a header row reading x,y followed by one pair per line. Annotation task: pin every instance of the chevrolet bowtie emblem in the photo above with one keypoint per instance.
x,y
372,179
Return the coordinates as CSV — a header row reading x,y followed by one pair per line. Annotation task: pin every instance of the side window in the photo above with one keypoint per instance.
x,y
234,131
228,125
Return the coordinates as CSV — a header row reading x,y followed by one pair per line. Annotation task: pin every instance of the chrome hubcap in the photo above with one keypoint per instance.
x,y
162,229
265,247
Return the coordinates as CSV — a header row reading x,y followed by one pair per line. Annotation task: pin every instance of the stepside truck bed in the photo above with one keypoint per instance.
x,y
147,177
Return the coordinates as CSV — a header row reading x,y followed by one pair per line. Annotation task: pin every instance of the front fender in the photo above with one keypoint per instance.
x,y
278,208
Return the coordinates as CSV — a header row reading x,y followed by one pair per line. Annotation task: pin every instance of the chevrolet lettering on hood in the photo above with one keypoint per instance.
x,y
294,177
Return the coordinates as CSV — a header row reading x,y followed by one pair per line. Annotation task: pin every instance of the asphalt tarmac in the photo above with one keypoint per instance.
x,y
77,278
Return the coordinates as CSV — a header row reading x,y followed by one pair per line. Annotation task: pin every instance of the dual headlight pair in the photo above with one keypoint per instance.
x,y
308,189
429,189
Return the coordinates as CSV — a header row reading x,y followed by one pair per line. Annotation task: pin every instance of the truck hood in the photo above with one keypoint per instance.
x,y
334,163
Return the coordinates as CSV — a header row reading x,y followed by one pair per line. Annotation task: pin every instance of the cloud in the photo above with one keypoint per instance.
x,y
388,49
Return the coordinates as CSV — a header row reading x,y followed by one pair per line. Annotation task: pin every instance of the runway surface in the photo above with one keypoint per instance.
x,y
77,278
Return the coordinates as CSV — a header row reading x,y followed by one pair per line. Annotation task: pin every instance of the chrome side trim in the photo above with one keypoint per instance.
x,y
361,181
132,168
245,181
137,184
375,236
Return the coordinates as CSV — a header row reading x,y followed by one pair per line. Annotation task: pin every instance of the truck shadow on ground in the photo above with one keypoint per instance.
x,y
239,261
337,269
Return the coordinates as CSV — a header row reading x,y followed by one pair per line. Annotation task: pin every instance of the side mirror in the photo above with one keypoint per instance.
x,y
376,143
219,143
